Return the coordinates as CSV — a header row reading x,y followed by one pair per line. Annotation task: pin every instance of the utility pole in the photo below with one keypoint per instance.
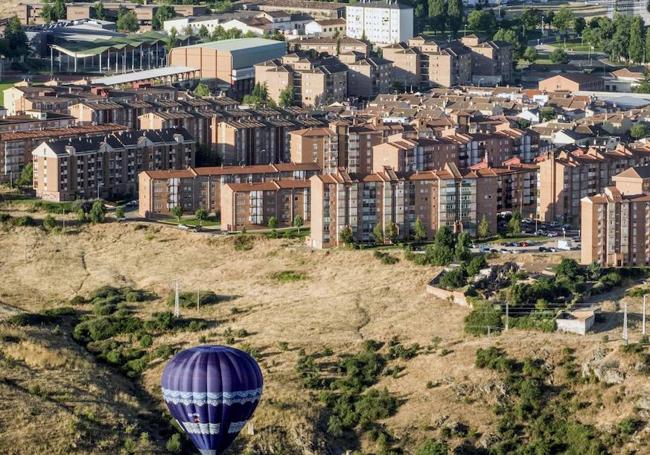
x,y
177,306
625,323
507,311
643,331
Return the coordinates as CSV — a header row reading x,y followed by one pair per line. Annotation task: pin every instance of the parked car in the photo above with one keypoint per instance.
x,y
543,249
552,234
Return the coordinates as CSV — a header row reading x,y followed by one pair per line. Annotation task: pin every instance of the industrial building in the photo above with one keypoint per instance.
x,y
229,62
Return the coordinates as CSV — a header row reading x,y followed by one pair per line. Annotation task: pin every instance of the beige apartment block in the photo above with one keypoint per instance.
x,y
332,46
200,187
316,81
445,197
251,205
491,60
566,177
316,145
614,223
107,166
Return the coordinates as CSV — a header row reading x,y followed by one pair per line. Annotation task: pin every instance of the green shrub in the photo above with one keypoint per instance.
x,y
174,444
432,447
51,316
494,359
453,279
23,221
385,258
476,264
243,242
139,295
482,316
146,340
4,217
287,276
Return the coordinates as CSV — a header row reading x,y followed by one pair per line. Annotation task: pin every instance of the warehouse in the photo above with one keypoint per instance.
x,y
229,62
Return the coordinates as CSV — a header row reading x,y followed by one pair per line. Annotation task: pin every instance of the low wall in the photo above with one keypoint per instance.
x,y
456,297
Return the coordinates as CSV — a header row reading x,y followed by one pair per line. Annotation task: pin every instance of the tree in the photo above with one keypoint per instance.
x,y
163,13
81,215
378,233
346,236
201,215
174,444
530,54
579,24
563,20
258,96
432,447
298,222
26,177
511,36
441,252
547,113
286,97
647,47
419,231
171,38
127,21
455,14
640,130
559,55
483,228
53,12
636,48
531,18
203,32
392,232
119,212
482,21
273,223
100,13
438,14
97,212
462,252
15,39
568,268
202,90
514,224
177,212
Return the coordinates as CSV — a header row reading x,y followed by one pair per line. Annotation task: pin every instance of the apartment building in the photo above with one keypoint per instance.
x,y
356,140
367,76
258,136
105,166
200,187
445,197
195,123
614,223
566,177
409,155
316,80
492,61
316,145
315,9
35,120
332,46
380,22
16,147
251,205
434,63
429,63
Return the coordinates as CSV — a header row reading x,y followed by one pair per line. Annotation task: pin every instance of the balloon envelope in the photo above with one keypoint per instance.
x,y
212,391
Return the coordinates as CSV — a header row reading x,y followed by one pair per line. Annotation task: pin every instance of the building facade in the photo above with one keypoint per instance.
x,y
614,224
380,22
105,166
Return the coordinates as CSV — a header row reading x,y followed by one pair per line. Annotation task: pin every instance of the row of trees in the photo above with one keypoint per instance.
x,y
14,44
625,38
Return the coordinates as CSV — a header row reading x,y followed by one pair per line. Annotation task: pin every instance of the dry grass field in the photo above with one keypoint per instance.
x,y
345,298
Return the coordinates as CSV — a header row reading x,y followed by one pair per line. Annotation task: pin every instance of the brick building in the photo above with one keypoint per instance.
x,y
614,223
105,166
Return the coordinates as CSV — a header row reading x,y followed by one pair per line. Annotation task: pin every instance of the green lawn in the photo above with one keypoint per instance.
x,y
522,238
573,45
3,86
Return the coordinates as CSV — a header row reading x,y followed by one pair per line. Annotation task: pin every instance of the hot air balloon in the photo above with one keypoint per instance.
x,y
212,391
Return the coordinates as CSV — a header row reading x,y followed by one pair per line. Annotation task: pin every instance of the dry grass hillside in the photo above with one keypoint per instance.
x,y
342,299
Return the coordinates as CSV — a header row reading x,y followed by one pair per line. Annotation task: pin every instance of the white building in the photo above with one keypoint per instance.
x,y
380,22
325,28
